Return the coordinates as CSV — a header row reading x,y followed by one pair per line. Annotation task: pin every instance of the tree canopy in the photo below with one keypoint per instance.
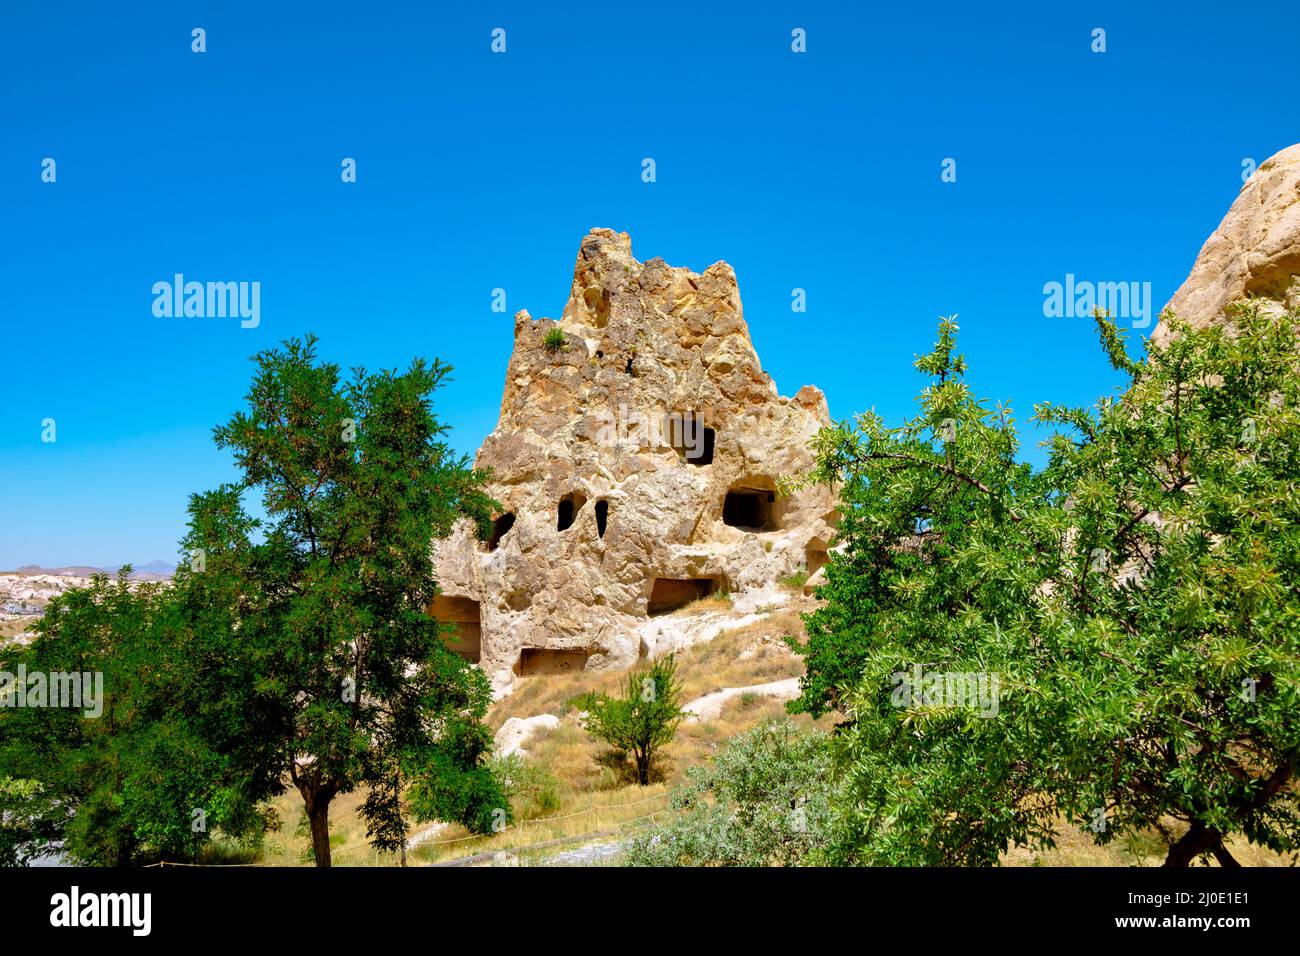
x,y
1132,607
293,647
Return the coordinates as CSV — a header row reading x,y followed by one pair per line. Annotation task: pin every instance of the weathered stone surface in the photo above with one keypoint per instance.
x,y
615,419
709,707
1254,252
516,732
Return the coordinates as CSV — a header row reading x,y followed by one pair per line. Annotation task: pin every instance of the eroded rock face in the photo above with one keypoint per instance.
x,y
1254,252
637,463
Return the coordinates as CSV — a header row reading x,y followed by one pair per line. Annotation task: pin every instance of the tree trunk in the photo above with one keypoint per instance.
x,y
318,813
642,767
1224,857
1197,840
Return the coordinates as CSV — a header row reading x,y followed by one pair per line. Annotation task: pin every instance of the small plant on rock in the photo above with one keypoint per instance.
x,y
554,340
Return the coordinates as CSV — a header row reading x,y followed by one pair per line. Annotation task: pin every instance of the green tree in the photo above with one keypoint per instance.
x,y
641,721
935,571
1135,601
357,683
295,646
158,762
1176,609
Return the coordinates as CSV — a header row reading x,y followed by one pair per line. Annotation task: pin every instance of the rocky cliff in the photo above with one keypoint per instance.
x,y
636,457
1255,251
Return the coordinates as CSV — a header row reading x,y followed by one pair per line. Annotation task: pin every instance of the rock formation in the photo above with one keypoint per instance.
x,y
1254,252
636,457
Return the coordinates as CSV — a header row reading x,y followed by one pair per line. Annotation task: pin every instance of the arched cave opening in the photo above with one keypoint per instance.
x,y
567,511
598,301
602,517
499,529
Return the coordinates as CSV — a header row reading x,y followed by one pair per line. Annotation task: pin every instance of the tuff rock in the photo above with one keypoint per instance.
x,y
1255,252
637,457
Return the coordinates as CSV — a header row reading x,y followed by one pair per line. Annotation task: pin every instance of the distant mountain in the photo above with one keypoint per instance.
x,y
149,571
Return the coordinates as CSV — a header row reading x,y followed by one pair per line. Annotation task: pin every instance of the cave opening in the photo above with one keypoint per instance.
x,y
548,660
500,527
690,438
464,634
669,594
567,511
816,556
750,508
704,455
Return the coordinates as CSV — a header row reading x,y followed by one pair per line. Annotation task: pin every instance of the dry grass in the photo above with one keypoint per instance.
x,y
290,845
717,601
1075,847
581,815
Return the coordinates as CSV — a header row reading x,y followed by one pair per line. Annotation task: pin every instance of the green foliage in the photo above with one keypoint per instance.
x,y
641,721
910,494
123,787
796,581
294,646
532,790
357,683
1135,599
554,339
764,800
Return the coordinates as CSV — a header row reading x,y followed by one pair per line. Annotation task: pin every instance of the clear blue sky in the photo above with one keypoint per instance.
x,y
478,171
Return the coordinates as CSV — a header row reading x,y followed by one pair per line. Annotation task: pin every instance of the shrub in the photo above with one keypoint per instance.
x,y
764,801
531,788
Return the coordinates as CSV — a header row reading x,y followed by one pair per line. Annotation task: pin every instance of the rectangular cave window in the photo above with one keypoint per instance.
x,y
669,594
602,517
690,438
749,508
548,660
705,454
568,510
462,614
499,528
